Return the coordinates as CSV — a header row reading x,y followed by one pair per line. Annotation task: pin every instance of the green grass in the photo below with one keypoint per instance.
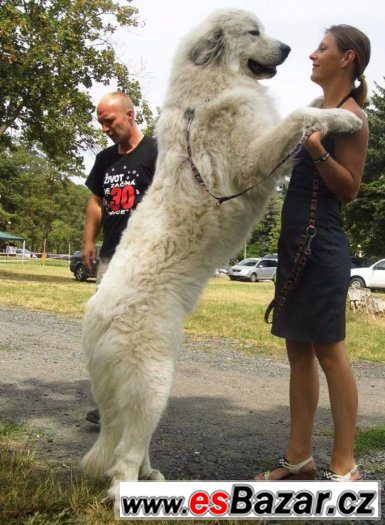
x,y
366,337
370,445
14,430
371,440
227,309
235,310
18,261
35,492
49,287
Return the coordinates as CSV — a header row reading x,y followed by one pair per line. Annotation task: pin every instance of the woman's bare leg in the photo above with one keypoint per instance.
x,y
343,400
304,393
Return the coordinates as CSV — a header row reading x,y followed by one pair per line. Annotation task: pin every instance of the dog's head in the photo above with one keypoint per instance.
x,y
237,38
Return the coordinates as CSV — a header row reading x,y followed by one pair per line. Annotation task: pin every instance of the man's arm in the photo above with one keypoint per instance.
x,y
91,230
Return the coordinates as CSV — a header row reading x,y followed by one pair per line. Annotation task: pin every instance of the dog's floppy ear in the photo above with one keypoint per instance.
x,y
208,48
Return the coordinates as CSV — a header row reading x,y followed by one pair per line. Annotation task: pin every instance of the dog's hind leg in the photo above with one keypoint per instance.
x,y
145,399
146,472
99,458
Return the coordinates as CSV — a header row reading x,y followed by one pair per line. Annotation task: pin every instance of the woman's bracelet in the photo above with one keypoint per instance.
x,y
324,157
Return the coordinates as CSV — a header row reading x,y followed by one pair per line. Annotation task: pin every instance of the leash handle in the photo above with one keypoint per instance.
x,y
269,309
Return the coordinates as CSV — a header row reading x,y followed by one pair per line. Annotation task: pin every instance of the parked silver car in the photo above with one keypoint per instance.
x,y
254,270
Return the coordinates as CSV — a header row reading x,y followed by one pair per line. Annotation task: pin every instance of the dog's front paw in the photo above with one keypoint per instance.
x,y
113,494
332,120
343,121
327,120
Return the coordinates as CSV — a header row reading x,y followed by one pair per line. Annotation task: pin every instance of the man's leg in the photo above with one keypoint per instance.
x,y
102,268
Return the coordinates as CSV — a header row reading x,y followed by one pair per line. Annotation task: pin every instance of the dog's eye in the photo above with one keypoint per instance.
x,y
255,32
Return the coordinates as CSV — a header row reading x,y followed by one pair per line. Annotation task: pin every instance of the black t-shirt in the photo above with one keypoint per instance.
x,y
121,181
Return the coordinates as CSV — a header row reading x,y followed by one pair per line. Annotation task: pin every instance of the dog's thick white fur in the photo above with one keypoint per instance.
x,y
178,236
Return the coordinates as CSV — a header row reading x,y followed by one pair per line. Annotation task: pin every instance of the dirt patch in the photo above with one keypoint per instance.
x,y
226,417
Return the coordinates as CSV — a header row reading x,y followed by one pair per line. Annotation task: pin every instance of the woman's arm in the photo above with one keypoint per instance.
x,y
342,174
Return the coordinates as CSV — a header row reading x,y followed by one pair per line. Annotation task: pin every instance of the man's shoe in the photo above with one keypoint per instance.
x,y
93,416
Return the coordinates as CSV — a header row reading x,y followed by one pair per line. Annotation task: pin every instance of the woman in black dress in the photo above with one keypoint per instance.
x,y
312,318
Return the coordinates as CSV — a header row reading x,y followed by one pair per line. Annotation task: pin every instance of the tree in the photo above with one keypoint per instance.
x,y
61,236
365,217
41,202
264,238
151,121
52,51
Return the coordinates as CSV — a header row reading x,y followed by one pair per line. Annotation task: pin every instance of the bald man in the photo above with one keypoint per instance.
x,y
118,180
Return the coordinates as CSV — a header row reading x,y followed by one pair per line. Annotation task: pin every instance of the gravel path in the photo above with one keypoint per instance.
x,y
227,413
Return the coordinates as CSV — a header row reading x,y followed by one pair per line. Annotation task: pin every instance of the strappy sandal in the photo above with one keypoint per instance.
x,y
329,475
294,471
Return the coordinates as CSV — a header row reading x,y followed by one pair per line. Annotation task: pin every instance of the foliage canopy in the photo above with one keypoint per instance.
x,y
40,203
365,217
52,52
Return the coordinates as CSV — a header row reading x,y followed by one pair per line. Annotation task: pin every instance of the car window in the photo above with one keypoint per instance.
x,y
262,264
379,266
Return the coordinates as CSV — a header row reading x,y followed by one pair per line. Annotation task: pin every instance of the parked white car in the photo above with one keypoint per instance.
x,y
371,277
27,254
254,270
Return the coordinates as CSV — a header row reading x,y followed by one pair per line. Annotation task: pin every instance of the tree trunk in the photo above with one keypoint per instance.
x,y
362,299
9,122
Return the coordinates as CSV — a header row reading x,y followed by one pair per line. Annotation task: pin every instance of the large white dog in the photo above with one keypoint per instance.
x,y
178,236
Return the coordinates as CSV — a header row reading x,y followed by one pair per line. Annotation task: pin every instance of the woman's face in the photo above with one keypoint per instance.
x,y
327,60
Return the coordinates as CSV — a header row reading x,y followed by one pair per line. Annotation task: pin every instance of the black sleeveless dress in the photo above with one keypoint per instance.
x,y
315,308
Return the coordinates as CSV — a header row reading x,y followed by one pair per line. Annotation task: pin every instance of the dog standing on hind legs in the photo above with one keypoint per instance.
x,y
177,236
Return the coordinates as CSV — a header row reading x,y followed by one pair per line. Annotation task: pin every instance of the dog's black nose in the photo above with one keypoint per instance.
x,y
285,50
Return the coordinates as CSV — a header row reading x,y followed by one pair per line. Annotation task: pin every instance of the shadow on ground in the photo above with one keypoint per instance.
x,y
204,437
